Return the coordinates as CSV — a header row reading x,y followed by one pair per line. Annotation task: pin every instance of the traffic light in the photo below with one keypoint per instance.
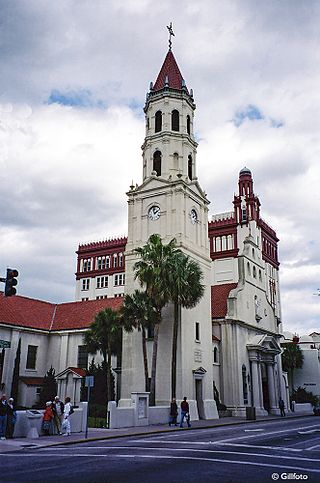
x,y
11,282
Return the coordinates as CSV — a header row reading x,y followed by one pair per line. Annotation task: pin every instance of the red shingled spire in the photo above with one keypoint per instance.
x,y
169,74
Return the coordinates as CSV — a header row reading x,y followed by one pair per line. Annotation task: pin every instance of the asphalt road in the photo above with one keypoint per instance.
x,y
286,449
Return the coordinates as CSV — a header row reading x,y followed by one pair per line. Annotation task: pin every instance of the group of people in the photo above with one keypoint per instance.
x,y
8,417
185,414
56,417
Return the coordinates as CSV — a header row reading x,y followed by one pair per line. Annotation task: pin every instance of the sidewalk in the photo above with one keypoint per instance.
x,y
95,434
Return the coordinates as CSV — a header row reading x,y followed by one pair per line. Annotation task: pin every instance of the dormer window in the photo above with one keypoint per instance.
x,y
158,121
175,120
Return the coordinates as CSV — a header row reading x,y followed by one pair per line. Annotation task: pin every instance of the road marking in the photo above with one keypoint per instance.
x,y
252,430
192,450
272,433
281,448
313,447
175,457
309,432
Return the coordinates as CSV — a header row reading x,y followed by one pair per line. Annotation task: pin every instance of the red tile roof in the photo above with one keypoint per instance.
x,y
219,295
79,315
37,314
78,370
171,70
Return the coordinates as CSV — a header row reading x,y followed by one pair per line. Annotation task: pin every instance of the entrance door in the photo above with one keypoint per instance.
x,y
199,398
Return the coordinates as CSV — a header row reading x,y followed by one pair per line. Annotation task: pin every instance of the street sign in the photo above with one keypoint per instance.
x,y
5,344
89,381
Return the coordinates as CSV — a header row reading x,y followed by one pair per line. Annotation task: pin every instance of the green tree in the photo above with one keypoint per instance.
x,y
138,312
186,290
105,335
292,358
16,373
153,271
49,387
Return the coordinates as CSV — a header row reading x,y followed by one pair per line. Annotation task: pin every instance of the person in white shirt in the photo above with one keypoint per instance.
x,y
68,410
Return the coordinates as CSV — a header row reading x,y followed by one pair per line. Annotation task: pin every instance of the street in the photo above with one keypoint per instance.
x,y
284,449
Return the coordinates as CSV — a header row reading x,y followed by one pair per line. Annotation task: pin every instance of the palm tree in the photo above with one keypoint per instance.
x,y
138,312
186,290
153,271
104,335
292,358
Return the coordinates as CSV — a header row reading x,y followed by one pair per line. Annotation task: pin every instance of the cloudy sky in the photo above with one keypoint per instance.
x,y
73,80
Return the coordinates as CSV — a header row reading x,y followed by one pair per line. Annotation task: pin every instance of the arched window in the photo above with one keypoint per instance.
x,y
190,166
248,268
158,121
254,271
157,162
175,120
188,124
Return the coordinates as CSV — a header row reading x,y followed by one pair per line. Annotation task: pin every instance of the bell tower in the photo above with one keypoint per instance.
x,y
169,149
171,203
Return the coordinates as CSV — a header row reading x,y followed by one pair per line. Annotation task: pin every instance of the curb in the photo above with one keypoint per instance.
x,y
159,431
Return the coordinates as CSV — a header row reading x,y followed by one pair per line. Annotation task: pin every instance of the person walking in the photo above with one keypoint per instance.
x,y
47,419
185,412
68,410
58,410
173,412
11,418
3,416
281,407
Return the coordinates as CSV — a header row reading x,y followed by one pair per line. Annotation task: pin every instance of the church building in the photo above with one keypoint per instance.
x,y
229,344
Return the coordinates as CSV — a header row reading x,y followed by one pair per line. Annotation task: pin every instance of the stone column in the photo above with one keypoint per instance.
x,y
255,384
271,387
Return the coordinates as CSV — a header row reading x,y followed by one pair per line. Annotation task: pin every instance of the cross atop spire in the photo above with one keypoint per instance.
x,y
171,34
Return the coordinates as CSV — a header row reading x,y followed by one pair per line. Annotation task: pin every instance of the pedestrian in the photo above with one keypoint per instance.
x,y
68,410
11,418
47,419
281,407
185,412
173,413
3,416
58,410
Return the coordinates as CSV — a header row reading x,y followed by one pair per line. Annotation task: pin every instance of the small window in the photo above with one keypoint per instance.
x,y
119,279
215,355
244,215
248,268
188,124
82,357
190,166
254,272
86,265
158,121
85,283
31,357
150,332
157,163
197,327
175,120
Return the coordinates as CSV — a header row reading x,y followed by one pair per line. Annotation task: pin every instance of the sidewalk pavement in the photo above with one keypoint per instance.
x,y
96,434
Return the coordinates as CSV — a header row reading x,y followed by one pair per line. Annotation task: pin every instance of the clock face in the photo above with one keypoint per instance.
x,y
193,216
154,213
